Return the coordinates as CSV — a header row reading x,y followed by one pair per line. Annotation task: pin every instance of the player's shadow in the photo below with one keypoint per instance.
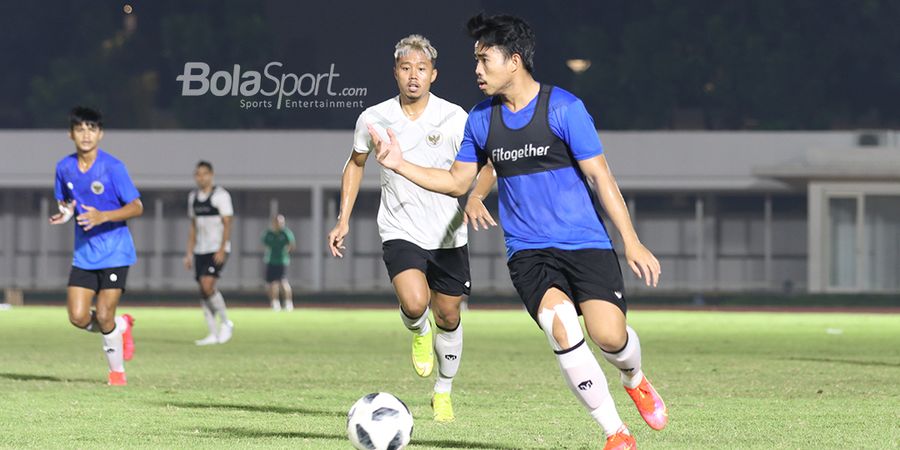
x,y
257,408
845,361
232,432
449,443
30,377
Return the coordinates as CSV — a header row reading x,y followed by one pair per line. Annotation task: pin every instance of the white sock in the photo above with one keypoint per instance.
x,y
112,347
276,304
419,325
210,317
585,379
218,305
121,324
628,360
448,346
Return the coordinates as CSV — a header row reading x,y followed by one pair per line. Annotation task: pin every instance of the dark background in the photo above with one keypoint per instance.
x,y
663,64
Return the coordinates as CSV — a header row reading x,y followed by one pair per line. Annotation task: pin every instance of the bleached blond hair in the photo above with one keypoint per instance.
x,y
415,42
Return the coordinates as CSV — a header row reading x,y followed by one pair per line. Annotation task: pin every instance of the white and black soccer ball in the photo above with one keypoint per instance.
x,y
379,421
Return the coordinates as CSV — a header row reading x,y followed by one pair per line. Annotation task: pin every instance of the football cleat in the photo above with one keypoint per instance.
x,y
649,404
208,340
117,379
443,407
225,332
423,353
622,440
128,338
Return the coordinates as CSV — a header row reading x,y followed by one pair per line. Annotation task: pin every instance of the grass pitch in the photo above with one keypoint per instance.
x,y
731,380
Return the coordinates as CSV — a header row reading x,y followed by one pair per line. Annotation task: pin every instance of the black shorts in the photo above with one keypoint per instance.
x,y
274,272
587,274
95,280
446,269
205,266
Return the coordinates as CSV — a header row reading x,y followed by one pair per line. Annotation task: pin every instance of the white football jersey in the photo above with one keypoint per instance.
x,y
427,219
207,210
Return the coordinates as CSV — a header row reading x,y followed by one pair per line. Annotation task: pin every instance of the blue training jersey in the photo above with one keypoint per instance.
x,y
552,208
106,186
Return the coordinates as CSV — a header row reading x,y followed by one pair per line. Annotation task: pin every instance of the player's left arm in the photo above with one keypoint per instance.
x,y
601,179
226,209
574,125
219,256
127,195
93,217
292,243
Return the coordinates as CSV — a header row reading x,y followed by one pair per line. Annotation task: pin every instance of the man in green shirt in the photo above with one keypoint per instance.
x,y
279,243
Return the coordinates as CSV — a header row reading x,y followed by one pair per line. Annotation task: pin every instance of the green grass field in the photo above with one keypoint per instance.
x,y
731,381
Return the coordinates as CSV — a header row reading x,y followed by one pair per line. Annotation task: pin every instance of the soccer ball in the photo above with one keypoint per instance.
x,y
379,421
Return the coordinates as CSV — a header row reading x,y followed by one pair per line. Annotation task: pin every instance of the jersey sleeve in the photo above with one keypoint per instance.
x,y
469,149
362,142
574,125
124,187
458,128
59,188
222,201
290,236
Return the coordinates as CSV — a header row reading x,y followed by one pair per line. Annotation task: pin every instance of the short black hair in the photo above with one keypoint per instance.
x,y
207,164
510,34
82,114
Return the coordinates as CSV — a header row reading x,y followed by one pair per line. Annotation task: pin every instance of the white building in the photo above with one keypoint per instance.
x,y
723,211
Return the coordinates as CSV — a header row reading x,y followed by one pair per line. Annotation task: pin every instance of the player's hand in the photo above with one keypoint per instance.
x,y
91,218
387,152
66,210
476,213
336,239
219,257
643,263
188,261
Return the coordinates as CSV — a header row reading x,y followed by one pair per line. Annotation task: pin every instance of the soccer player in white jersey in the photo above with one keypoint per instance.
x,y
209,242
423,235
95,188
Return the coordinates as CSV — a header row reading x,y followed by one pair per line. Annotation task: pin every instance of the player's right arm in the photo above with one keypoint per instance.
x,y
350,181
66,205
454,182
475,211
192,234
192,239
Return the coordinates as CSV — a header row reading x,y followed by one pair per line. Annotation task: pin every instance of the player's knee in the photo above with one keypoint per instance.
x,y
80,320
446,319
610,340
561,326
106,317
413,309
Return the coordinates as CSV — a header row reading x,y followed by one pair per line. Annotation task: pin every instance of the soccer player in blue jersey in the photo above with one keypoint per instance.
x,y
95,188
552,179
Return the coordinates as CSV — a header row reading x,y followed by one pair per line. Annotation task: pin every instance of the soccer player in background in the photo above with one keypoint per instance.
x,y
279,243
552,179
95,188
423,236
209,242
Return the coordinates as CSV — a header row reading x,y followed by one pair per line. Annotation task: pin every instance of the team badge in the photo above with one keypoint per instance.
x,y
97,187
434,138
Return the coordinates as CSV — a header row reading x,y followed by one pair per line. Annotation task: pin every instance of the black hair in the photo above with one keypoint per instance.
x,y
207,164
509,34
81,114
